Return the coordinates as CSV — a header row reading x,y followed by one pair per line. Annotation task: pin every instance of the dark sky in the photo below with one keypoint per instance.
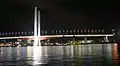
x,y
17,15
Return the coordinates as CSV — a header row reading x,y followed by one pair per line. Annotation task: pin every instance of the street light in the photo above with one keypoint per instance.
x,y
92,31
45,31
70,31
9,33
59,31
56,31
3,34
21,33
85,31
77,31
42,32
25,33
67,30
12,33
99,30
6,33
88,30
32,32
52,31
74,31
63,31
113,30
81,30
95,30
102,30
15,33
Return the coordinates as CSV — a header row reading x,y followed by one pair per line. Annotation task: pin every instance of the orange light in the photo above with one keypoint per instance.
x,y
115,52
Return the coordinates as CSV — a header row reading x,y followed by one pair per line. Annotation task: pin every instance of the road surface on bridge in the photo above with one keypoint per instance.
x,y
53,36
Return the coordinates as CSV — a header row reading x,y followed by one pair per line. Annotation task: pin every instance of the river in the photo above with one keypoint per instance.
x,y
79,55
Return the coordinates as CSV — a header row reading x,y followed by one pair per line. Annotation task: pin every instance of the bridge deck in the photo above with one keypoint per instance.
x,y
52,36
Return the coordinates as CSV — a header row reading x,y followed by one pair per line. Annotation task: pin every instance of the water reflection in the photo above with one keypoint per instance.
x,y
37,55
81,55
115,53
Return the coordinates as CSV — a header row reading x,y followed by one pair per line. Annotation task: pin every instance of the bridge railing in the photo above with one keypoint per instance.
x,y
56,32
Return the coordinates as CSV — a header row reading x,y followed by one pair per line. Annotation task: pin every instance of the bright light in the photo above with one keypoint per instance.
x,y
39,32
37,54
50,36
35,28
37,50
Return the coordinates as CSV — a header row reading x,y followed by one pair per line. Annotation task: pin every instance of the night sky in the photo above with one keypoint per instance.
x,y
17,15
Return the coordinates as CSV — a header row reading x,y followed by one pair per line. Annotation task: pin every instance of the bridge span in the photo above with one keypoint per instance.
x,y
43,37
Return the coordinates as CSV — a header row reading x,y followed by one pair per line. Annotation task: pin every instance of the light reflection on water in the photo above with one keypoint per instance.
x,y
93,54
37,55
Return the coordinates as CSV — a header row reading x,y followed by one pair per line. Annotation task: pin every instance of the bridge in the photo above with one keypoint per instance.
x,y
52,36
43,35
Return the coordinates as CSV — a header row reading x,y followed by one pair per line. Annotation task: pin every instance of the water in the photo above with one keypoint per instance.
x,y
81,55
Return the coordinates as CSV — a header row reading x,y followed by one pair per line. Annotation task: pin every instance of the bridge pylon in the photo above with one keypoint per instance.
x,y
37,31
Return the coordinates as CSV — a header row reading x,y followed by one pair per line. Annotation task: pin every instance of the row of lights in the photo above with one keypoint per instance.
x,y
57,31
15,33
20,33
74,31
